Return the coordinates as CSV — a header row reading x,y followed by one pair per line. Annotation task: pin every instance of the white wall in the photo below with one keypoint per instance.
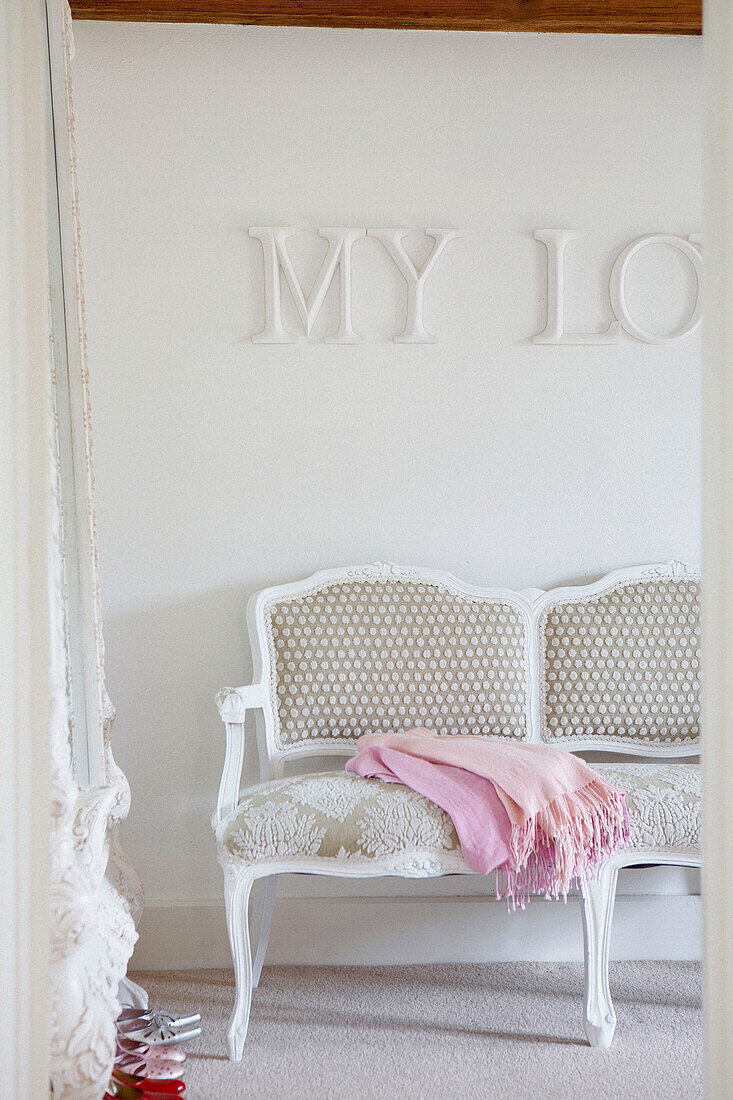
x,y
223,466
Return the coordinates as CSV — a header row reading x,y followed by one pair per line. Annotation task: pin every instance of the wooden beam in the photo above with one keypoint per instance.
x,y
588,16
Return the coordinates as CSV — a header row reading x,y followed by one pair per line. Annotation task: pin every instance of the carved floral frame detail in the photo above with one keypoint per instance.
x,y
96,896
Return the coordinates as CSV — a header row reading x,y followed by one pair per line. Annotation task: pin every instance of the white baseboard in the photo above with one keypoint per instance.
x,y
386,930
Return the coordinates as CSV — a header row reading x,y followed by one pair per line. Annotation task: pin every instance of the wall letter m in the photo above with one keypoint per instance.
x,y
277,259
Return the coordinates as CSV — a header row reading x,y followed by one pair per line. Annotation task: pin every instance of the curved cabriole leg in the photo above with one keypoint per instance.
x,y
238,888
263,904
598,897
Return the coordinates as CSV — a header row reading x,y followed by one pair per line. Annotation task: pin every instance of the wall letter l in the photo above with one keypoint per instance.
x,y
556,241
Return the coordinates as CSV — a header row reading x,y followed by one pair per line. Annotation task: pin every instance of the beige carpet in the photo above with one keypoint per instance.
x,y
442,1033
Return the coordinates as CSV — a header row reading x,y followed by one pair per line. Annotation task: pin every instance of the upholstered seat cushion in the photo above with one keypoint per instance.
x,y
338,815
664,802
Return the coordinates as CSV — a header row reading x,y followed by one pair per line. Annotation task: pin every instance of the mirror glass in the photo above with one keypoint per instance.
x,y
83,632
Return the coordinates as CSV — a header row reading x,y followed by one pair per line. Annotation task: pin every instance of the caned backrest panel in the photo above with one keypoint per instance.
x,y
622,665
383,653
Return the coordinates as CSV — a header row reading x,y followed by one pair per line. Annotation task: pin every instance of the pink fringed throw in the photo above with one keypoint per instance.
x,y
536,815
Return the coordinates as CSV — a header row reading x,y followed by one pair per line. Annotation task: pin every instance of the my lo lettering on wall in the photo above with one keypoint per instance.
x,y
279,271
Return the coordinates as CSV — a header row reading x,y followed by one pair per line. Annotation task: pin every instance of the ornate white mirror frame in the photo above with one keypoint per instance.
x,y
96,896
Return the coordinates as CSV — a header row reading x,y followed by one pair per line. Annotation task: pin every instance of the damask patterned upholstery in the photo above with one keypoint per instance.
x,y
335,815
338,815
664,801
623,666
381,654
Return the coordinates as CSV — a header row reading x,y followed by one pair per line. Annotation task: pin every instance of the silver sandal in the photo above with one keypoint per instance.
x,y
157,1028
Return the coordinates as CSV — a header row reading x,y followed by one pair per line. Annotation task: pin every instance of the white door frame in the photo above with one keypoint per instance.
x,y
25,488
718,553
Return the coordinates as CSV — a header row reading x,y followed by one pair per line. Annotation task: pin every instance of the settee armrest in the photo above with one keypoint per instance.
x,y
233,704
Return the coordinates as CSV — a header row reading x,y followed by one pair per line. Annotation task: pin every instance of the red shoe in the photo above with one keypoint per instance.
x,y
147,1087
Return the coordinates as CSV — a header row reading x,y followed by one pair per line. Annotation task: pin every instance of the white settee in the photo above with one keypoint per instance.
x,y
610,666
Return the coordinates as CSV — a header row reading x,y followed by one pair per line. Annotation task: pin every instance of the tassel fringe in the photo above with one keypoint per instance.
x,y
565,841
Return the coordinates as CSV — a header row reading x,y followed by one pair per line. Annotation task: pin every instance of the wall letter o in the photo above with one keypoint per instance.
x,y
618,288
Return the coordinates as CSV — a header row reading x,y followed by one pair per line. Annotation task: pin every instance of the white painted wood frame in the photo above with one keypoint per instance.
x,y
717,427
